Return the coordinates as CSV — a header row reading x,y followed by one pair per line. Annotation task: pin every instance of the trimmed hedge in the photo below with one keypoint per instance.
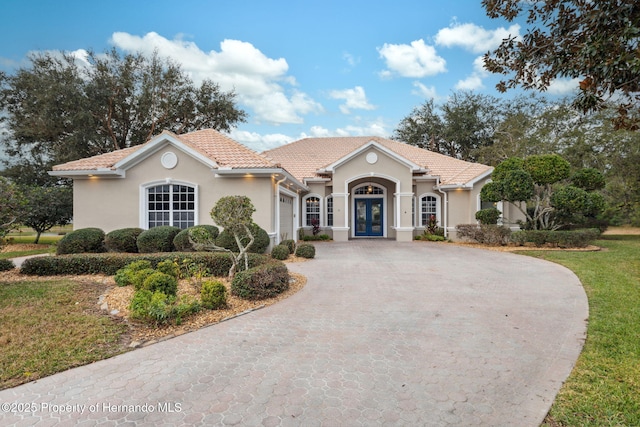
x,y
263,281
317,237
213,295
157,239
561,239
280,252
306,250
181,241
83,240
109,263
260,244
291,244
493,235
6,265
122,240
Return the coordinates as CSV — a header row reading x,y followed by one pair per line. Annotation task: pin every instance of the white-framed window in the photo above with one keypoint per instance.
x,y
330,211
170,203
312,210
368,189
429,207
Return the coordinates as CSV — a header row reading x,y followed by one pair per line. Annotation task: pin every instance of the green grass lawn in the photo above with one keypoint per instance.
x,y
604,387
50,326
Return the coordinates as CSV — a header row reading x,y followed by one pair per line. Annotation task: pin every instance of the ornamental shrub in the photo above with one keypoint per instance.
x,y
81,241
213,295
493,235
558,238
170,267
158,308
306,250
263,281
6,265
181,241
488,216
260,244
157,239
217,263
122,240
317,237
291,244
138,277
161,282
280,252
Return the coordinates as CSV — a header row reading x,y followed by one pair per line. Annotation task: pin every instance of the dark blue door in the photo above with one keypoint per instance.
x,y
368,217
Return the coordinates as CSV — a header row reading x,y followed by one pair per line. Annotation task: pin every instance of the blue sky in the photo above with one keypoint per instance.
x,y
300,68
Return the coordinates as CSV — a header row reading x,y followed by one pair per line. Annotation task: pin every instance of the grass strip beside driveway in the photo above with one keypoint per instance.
x,y
50,326
604,387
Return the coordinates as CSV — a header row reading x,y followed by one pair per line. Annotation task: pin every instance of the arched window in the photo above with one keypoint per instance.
x,y
311,210
170,204
368,189
429,209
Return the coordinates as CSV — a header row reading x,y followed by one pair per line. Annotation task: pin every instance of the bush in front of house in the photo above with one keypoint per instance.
x,y
161,282
306,250
217,263
280,252
126,275
158,308
493,235
430,237
122,240
170,267
260,244
489,216
289,243
181,241
556,238
6,265
316,237
263,281
83,240
213,295
157,239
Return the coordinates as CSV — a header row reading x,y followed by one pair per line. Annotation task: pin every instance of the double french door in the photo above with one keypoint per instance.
x,y
369,217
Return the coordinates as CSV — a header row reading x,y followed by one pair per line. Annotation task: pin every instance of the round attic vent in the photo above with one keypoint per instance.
x,y
169,160
372,158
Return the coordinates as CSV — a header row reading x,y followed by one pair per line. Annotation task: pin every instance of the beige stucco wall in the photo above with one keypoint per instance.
x,y
112,203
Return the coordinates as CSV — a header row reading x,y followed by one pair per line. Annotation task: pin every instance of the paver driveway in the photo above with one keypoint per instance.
x,y
384,333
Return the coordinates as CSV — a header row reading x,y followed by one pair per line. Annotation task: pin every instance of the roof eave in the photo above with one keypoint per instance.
x,y
115,173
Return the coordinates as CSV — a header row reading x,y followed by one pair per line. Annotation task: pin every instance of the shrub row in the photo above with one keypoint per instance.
x,y
6,264
561,239
217,263
263,281
317,237
499,235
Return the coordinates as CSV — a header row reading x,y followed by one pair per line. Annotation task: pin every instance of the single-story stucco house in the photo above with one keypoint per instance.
x,y
352,187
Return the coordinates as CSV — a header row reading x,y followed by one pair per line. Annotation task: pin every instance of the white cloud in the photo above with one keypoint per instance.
x,y
423,91
373,128
355,99
474,81
351,60
258,142
416,60
259,81
563,86
474,38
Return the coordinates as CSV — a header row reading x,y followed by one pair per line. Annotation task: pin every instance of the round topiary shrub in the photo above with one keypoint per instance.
x,y
291,244
306,250
122,240
260,244
138,277
81,241
489,216
6,265
263,281
161,282
169,267
280,252
213,295
181,241
157,239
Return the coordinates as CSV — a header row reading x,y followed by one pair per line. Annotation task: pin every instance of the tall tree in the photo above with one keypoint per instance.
x,y
60,108
457,128
593,41
11,206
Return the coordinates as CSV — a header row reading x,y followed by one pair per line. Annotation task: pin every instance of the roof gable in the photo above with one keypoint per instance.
x,y
371,144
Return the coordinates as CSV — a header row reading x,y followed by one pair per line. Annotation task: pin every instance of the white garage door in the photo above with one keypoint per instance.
x,y
286,217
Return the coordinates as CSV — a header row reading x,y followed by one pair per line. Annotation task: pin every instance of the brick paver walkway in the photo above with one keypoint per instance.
x,y
384,333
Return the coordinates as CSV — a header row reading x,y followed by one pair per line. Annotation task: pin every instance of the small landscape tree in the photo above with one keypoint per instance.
x,y
47,207
11,206
233,213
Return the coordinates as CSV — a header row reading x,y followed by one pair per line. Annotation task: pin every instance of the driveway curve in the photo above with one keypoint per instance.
x,y
384,333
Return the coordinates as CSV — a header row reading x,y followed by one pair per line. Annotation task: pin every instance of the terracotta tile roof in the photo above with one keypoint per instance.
x,y
212,144
305,157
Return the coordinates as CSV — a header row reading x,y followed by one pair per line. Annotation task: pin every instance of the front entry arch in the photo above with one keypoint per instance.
x,y
369,211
